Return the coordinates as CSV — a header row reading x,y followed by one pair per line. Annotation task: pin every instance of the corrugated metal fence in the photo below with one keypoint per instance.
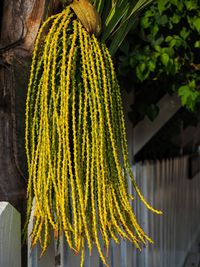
x,y
166,186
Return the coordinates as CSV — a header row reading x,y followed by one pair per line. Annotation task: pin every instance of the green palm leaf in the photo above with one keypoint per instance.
x,y
118,17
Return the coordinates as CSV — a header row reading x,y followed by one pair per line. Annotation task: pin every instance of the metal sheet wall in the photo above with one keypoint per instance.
x,y
166,186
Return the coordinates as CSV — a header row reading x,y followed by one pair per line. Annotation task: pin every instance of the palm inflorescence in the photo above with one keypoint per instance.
x,y
76,142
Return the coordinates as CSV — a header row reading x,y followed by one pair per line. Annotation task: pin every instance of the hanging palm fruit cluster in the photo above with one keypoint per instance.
x,y
75,138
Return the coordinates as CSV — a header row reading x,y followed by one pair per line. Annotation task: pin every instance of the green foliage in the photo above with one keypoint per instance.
x,y
189,96
166,49
118,17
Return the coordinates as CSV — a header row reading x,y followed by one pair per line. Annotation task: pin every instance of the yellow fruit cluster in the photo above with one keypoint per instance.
x,y
76,142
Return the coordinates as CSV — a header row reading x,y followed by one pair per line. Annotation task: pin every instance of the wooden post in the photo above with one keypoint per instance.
x,y
10,236
146,129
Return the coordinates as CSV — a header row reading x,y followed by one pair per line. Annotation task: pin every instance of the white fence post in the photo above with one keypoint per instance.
x,y
10,236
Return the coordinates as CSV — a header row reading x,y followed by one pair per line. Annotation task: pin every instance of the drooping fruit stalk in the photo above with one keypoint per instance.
x,y
76,141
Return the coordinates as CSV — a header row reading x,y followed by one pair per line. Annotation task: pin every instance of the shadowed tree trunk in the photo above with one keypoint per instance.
x,y
19,24
20,21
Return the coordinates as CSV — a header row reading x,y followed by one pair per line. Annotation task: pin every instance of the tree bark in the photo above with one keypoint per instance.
x,y
19,24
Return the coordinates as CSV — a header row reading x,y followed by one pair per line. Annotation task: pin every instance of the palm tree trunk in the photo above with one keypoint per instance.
x,y
19,24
